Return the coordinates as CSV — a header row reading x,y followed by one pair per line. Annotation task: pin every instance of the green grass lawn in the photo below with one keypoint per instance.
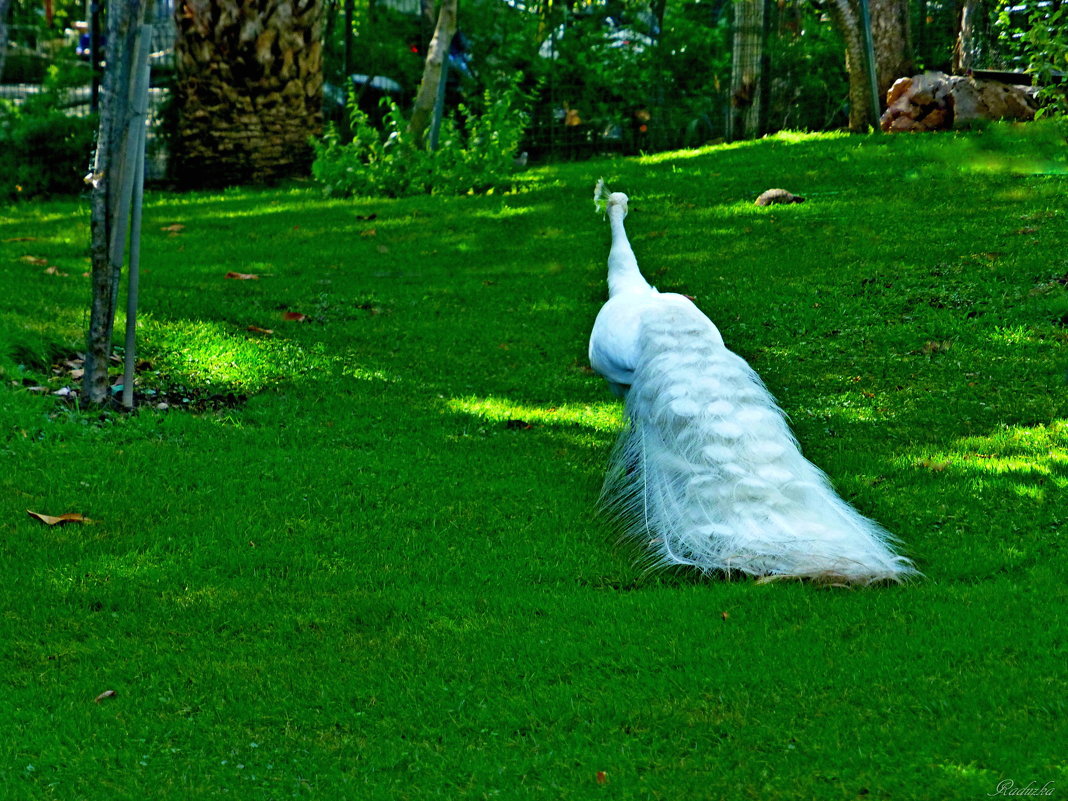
x,y
369,581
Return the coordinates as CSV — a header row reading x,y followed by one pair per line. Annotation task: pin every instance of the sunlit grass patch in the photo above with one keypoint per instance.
x,y
367,374
218,355
1021,455
604,417
1011,334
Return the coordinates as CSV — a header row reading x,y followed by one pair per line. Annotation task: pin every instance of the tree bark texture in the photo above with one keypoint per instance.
x,y
747,69
847,20
249,89
444,30
124,24
965,47
4,6
893,43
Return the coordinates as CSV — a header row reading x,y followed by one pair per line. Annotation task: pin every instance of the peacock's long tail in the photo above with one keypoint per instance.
x,y
707,472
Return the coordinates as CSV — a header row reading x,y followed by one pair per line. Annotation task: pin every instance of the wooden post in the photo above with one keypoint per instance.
x,y
4,5
348,42
94,55
439,107
139,133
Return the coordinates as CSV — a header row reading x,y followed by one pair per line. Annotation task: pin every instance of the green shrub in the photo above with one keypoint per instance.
x,y
1039,43
44,150
1046,47
476,154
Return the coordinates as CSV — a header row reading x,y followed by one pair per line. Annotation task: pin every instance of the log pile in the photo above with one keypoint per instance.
x,y
248,94
934,101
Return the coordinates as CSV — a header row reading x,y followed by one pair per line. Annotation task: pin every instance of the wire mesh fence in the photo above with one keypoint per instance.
x,y
55,72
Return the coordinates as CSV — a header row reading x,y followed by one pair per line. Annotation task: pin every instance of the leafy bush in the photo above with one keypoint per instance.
x,y
476,154
809,84
1035,38
1046,47
44,150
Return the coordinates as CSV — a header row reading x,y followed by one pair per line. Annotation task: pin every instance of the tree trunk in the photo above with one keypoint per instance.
x,y
109,175
747,69
4,6
249,89
893,43
965,47
847,21
659,8
436,54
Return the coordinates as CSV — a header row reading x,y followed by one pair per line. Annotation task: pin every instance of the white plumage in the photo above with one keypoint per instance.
x,y
707,473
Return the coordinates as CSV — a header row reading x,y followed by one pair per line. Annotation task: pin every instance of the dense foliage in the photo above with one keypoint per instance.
x,y
476,153
609,76
44,150
1046,47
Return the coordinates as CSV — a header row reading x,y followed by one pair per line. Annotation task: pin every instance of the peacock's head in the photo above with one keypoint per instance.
x,y
604,200
617,199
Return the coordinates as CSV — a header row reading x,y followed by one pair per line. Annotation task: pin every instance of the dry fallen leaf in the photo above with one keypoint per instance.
x,y
257,330
53,270
296,317
37,261
105,694
176,228
724,615
243,276
59,520
602,777
369,232
21,239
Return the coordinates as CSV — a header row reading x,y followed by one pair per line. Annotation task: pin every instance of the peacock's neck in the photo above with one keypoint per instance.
x,y
623,272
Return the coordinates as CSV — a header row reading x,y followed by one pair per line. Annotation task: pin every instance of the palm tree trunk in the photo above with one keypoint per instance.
x,y
964,49
848,24
892,40
249,89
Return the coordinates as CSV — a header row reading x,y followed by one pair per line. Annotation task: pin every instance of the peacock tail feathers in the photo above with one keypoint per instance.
x,y
707,472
